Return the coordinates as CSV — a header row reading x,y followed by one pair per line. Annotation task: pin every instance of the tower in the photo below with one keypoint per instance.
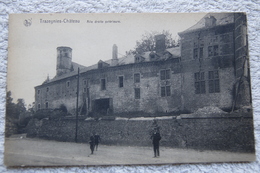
x,y
64,56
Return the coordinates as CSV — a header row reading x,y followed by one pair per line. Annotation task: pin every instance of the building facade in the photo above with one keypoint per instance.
x,y
209,68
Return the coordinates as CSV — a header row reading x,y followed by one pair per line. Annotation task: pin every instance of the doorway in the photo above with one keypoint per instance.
x,y
102,106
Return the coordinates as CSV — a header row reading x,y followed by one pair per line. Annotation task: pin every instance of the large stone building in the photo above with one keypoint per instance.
x,y
209,68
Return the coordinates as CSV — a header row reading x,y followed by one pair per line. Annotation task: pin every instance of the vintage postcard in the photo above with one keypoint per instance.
x,y
128,89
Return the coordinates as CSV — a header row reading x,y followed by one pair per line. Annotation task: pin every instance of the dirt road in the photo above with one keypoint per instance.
x,y
27,152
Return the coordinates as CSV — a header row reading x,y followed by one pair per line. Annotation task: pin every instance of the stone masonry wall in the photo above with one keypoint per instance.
x,y
229,134
122,98
222,61
150,83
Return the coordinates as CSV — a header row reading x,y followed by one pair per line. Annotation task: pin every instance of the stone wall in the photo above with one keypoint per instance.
x,y
201,60
122,99
57,93
222,99
229,133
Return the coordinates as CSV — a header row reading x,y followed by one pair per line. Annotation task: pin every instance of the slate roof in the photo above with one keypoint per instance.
x,y
221,19
129,59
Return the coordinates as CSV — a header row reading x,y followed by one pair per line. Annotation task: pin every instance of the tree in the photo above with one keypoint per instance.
x,y
16,115
11,116
20,106
147,42
31,108
11,111
14,111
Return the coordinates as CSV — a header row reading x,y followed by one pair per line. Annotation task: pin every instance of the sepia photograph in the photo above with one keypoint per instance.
x,y
128,89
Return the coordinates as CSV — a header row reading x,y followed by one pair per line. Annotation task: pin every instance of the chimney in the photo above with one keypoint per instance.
x,y
139,51
114,55
160,43
210,21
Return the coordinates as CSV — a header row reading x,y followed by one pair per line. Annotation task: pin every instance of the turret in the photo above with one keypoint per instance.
x,y
64,56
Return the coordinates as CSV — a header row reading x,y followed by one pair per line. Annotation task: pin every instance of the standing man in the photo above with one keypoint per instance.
x,y
156,137
92,143
97,140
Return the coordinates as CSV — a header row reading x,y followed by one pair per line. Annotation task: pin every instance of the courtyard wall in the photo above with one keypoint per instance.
x,y
228,132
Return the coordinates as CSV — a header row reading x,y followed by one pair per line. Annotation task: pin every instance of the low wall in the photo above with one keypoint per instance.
x,y
228,133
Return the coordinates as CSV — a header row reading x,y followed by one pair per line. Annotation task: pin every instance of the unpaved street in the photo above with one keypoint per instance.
x,y
28,152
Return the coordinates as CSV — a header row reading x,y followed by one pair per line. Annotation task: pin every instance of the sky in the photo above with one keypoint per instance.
x,y
32,53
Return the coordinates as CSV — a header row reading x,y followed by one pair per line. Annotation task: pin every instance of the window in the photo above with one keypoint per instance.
x,y
68,84
165,87
201,52
121,81
214,82
195,53
47,89
38,92
137,77
210,51
85,82
138,59
100,65
199,83
165,74
165,91
103,84
198,53
137,93
213,50
46,105
168,90
39,106
84,90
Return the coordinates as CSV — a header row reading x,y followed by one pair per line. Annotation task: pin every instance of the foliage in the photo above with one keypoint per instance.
x,y
31,108
20,106
10,107
42,113
13,110
24,118
63,108
51,113
16,115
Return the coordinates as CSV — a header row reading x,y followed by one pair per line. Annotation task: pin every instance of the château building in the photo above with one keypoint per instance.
x,y
209,68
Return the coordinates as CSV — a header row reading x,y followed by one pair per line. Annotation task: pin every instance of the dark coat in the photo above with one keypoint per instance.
x,y
97,139
156,137
92,140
